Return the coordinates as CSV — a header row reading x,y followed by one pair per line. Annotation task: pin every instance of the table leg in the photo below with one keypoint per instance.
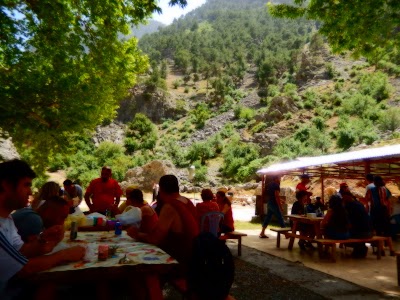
x,y
294,230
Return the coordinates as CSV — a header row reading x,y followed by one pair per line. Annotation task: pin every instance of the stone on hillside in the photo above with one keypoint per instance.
x,y
114,132
8,150
144,177
266,141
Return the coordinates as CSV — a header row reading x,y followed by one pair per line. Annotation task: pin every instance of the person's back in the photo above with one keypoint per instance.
x,y
28,222
211,268
360,224
177,224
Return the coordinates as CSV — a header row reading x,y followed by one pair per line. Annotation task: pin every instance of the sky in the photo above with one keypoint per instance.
x,y
174,12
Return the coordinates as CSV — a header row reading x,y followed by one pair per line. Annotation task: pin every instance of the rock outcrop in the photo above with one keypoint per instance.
x,y
7,150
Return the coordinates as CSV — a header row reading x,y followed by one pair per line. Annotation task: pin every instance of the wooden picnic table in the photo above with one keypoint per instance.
x,y
298,219
147,262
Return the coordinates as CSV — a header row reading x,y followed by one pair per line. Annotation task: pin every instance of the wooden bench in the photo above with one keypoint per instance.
x,y
398,267
375,239
234,235
280,231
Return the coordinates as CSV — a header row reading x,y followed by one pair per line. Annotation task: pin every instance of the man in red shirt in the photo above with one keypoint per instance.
x,y
103,193
302,186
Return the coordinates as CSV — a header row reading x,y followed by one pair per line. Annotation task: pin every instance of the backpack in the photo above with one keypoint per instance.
x,y
211,268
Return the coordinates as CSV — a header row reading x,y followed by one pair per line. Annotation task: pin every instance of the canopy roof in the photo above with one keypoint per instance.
x,y
383,161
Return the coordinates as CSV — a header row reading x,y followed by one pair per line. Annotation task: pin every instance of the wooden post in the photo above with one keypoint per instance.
x,y
322,188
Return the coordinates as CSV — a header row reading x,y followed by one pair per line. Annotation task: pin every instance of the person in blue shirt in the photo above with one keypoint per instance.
x,y
274,204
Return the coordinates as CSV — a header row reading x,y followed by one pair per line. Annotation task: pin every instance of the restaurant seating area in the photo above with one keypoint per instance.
x,y
380,275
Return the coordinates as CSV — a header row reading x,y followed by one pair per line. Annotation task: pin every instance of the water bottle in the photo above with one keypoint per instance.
x,y
74,231
118,228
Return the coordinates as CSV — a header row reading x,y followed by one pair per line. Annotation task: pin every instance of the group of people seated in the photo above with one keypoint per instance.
x,y
347,217
30,231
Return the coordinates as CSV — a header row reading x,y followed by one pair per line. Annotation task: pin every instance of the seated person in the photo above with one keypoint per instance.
x,y
319,206
19,259
177,223
335,224
30,223
305,229
360,223
49,189
73,194
207,205
395,219
225,206
134,197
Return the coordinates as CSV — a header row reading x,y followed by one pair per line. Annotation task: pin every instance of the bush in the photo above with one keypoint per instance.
x,y
176,83
376,85
390,119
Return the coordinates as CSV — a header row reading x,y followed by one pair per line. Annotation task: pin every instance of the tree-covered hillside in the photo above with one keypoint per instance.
x,y
235,89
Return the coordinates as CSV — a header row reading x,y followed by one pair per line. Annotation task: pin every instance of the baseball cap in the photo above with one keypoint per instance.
x,y
305,176
343,184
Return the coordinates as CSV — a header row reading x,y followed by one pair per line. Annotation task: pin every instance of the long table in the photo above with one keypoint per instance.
x,y
298,219
146,261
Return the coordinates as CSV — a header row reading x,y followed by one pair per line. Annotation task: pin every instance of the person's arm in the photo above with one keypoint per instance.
x,y
226,208
45,262
37,245
326,218
160,232
118,193
87,200
278,199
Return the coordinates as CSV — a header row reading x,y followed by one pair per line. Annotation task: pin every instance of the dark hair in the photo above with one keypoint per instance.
x,y
335,202
301,194
207,195
136,195
67,182
14,170
378,181
369,177
169,184
224,197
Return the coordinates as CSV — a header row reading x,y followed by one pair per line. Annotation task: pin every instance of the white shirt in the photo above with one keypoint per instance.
x,y
11,260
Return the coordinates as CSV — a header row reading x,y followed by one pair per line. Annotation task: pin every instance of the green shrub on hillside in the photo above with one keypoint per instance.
x,y
228,131
359,105
200,151
200,115
376,85
143,131
236,155
390,119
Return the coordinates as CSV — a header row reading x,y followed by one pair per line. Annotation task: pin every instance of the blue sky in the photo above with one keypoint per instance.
x,y
174,12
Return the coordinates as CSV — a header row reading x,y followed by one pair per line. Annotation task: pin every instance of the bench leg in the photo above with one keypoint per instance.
x,y
390,245
278,240
333,253
398,269
240,246
380,249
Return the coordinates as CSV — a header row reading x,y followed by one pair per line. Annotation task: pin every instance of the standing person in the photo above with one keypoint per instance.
x,y
72,193
177,223
369,178
103,193
19,259
380,207
225,206
156,187
303,186
274,204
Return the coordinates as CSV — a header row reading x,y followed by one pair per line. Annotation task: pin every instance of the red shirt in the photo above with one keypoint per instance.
x,y
103,193
205,207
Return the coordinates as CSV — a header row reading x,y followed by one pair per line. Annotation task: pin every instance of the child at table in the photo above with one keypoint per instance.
x,y
305,229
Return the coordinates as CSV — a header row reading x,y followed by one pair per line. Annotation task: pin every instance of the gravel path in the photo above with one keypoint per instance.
x,y
260,276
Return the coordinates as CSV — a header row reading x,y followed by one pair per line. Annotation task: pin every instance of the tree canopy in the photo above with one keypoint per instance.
x,y
370,28
63,68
